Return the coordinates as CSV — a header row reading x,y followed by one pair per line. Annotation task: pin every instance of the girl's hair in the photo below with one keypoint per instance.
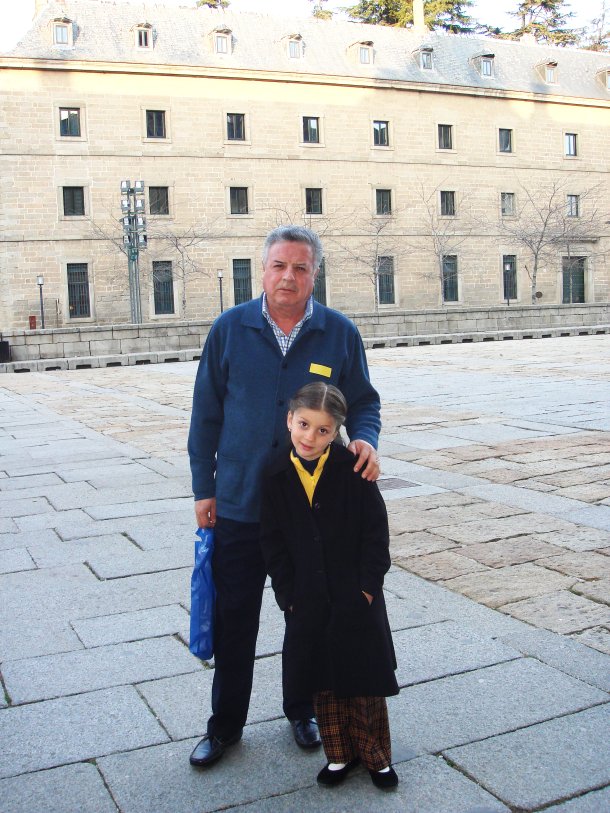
x,y
323,397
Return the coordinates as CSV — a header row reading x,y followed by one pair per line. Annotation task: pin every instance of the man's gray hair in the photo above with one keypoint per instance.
x,y
295,234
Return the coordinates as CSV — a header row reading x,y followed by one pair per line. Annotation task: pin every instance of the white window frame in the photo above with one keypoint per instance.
x,y
143,29
487,67
426,61
222,43
363,48
294,48
63,25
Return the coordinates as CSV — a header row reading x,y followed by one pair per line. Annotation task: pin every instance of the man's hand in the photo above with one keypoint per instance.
x,y
367,457
205,513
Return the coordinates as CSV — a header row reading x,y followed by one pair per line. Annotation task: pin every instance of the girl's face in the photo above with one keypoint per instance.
x,y
311,431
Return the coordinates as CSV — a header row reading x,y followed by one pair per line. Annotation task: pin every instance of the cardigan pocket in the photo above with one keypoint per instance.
x,y
232,480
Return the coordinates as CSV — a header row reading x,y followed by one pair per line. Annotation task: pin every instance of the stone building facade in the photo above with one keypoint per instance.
x,y
425,161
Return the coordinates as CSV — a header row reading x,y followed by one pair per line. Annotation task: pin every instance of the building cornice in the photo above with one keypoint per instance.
x,y
204,72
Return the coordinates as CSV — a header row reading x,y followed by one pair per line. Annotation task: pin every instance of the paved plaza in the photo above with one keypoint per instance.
x,y
496,472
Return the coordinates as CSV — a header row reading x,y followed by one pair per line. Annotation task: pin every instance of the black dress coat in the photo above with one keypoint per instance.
x,y
320,559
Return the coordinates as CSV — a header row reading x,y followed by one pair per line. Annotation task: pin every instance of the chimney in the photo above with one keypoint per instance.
x,y
418,16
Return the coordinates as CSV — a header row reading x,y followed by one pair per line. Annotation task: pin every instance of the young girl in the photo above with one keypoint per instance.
x,y
324,535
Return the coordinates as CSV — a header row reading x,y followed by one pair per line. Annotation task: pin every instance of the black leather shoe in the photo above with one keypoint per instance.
x,y
384,781
306,733
210,749
329,778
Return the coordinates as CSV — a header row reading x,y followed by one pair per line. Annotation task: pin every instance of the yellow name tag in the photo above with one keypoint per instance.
x,y
320,369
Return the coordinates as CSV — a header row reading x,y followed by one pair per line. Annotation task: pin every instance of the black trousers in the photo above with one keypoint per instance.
x,y
239,577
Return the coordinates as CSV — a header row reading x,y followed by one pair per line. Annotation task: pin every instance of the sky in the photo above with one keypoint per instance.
x,y
17,14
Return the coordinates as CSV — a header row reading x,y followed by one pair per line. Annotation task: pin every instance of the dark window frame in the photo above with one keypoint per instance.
x,y
66,124
163,287
450,278
505,140
319,286
236,126
571,145
158,200
311,131
73,201
573,272
383,202
573,205
313,200
242,280
504,198
381,133
445,136
238,200
79,299
156,126
386,294
509,276
448,203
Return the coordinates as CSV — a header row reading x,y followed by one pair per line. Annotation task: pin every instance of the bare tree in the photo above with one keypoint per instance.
x,y
552,218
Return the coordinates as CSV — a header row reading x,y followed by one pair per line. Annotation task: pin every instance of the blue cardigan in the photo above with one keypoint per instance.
x,y
241,396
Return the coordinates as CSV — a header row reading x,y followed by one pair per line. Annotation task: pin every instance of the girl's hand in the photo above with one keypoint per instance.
x,y
368,597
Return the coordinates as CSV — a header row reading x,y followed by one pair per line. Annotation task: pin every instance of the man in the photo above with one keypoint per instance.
x,y
256,356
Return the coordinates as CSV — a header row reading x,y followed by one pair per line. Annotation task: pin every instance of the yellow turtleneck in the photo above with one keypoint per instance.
x,y
310,481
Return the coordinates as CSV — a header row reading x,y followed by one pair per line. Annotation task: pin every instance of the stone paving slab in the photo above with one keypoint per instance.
x,y
562,612
72,789
48,554
13,484
69,673
134,626
73,729
597,801
427,785
466,708
181,703
135,562
562,653
514,551
15,559
545,763
598,591
30,639
143,508
440,566
436,651
595,637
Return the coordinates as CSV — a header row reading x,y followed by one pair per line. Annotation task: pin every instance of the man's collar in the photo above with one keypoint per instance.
x,y
306,313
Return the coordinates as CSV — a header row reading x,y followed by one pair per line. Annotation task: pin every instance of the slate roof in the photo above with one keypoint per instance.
x,y
103,32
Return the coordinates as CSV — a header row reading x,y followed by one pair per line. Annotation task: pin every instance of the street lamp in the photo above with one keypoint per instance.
x,y
134,240
40,283
220,288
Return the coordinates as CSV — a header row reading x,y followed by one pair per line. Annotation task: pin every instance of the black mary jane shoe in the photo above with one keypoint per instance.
x,y
329,778
210,749
384,780
306,733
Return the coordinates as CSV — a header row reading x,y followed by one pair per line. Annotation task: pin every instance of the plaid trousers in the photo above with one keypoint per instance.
x,y
353,727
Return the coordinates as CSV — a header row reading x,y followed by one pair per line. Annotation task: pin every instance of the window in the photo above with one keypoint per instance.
x,y
158,200
448,204
155,124
242,281
365,54
236,127
573,207
450,278
385,280
505,140
311,129
295,48
69,121
487,66
61,34
238,196
79,305
445,136
573,279
163,287
221,43
571,145
550,73
313,201
143,37
507,204
381,133
509,276
319,286
74,201
383,201
425,59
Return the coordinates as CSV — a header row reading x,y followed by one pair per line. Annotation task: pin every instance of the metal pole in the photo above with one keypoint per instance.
x,y
41,307
220,283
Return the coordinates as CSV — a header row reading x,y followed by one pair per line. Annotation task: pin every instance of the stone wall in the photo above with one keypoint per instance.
x,y
125,344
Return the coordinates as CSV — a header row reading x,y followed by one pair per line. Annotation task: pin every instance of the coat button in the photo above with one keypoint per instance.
x,y
284,365
316,505
280,402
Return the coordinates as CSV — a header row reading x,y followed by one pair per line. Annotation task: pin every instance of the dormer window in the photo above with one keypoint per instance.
x,y
143,35
550,73
603,77
221,40
365,53
487,65
424,57
295,46
62,32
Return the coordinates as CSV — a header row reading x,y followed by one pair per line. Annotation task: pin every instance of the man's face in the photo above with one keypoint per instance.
x,y
288,276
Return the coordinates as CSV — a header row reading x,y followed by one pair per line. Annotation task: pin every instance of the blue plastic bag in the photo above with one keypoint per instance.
x,y
203,596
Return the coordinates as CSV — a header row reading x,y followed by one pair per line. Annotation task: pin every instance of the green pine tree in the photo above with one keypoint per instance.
x,y
213,3
546,20
449,15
